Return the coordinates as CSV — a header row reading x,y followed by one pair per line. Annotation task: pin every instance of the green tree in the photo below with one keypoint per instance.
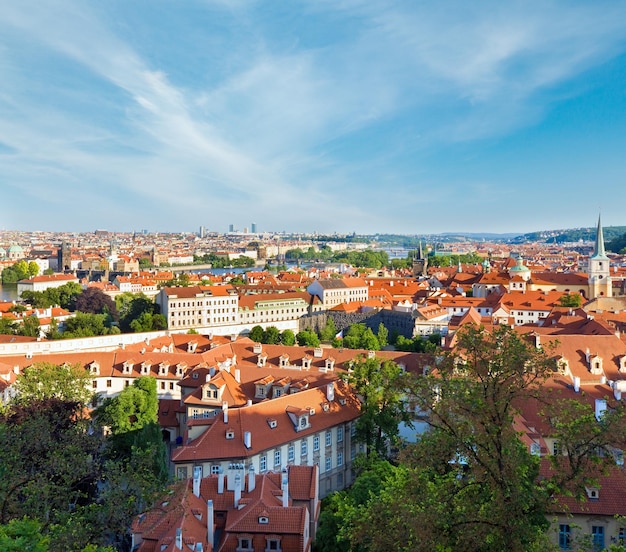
x,y
30,326
379,386
53,331
33,269
7,326
329,330
271,335
288,338
23,535
469,482
571,300
382,335
136,406
88,325
369,341
307,338
44,380
256,334
340,508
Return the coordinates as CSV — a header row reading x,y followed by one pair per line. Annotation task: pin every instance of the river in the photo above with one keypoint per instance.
x,y
8,292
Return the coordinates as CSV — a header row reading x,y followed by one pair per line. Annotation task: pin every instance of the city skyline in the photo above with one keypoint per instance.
x,y
341,116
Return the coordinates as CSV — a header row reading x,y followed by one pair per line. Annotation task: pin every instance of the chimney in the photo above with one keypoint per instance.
x,y
285,487
207,378
247,439
179,538
225,411
237,490
210,523
220,481
238,375
576,384
249,402
330,391
617,393
211,371
197,476
251,479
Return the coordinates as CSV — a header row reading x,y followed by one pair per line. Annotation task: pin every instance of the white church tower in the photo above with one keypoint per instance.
x,y
600,284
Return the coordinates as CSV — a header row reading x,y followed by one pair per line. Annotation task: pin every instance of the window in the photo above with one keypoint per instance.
x,y
272,544
94,384
621,536
291,453
565,537
339,434
245,543
597,537
181,473
316,443
263,463
340,459
109,383
215,469
303,449
277,458
328,463
556,448
329,438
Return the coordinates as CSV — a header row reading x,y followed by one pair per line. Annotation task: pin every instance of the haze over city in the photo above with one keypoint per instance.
x,y
321,116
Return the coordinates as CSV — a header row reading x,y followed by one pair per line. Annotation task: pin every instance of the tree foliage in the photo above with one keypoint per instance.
x,y
43,380
379,386
21,270
63,296
307,338
95,301
88,325
469,483
571,300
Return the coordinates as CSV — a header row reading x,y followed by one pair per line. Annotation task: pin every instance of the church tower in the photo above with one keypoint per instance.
x,y
600,284
420,263
64,258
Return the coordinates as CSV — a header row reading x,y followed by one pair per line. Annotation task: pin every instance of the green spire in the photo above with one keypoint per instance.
x,y
599,248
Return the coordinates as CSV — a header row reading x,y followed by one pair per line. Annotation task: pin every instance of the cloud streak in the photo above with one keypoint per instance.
x,y
301,116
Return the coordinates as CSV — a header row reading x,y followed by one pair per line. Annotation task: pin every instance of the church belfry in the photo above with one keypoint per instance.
x,y
420,263
600,284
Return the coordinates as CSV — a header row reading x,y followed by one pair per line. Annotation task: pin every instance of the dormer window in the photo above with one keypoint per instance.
x,y
94,368
145,368
264,520
330,363
306,363
593,493
262,360
163,368
303,422
180,369
127,367
230,434
284,361
194,375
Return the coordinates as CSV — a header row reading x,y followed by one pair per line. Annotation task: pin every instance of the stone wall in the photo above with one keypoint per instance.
x,y
400,322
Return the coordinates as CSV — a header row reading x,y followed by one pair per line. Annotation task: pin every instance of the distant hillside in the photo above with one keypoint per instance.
x,y
574,235
617,244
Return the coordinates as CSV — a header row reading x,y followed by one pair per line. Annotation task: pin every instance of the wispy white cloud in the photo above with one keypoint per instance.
x,y
305,133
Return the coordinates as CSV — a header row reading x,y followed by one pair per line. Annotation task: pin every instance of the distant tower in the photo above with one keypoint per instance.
x,y
253,228
201,233
64,257
420,263
600,282
231,227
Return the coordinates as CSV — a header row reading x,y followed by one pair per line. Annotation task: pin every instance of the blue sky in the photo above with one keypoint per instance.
x,y
328,115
